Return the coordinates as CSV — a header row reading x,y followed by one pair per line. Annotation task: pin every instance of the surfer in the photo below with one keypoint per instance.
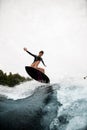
x,y
37,59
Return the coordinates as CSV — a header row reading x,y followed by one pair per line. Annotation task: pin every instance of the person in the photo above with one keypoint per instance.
x,y
37,59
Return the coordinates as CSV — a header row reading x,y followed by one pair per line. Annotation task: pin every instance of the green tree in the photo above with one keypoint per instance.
x,y
11,79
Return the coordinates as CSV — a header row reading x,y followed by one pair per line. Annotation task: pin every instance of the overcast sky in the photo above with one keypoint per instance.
x,y
59,27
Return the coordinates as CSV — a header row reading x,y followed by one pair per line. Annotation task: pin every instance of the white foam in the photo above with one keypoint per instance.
x,y
20,91
77,123
71,90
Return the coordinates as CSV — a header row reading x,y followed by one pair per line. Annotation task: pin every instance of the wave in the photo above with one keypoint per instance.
x,y
31,113
20,91
59,106
72,113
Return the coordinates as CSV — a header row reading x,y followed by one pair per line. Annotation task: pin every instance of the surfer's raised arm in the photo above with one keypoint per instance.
x,y
25,49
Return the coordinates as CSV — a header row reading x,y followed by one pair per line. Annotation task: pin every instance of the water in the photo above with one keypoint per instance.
x,y
72,114
20,91
71,97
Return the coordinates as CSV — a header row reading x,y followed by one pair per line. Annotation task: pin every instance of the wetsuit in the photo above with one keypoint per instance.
x,y
36,58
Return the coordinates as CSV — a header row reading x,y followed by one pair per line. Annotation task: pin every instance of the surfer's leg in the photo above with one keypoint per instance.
x,y
35,64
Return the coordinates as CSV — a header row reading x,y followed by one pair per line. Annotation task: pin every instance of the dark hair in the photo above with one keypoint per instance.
x,y
41,52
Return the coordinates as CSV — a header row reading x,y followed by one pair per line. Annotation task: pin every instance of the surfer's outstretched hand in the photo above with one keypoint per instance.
x,y
25,49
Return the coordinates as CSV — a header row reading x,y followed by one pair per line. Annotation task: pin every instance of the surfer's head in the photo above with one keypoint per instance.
x,y
41,53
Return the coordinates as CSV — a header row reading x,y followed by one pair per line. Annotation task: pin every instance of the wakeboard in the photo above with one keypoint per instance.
x,y
37,74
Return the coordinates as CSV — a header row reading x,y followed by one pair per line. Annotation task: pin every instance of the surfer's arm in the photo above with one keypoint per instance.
x,y
43,62
30,53
25,49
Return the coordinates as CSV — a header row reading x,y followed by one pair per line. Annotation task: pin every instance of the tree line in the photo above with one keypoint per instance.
x,y
11,79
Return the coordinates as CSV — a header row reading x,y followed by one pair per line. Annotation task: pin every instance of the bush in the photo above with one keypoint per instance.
x,y
11,79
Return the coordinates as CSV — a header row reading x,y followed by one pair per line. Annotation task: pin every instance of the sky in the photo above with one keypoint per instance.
x,y
59,27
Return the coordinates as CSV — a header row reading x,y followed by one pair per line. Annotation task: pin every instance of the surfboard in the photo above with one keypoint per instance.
x,y
37,75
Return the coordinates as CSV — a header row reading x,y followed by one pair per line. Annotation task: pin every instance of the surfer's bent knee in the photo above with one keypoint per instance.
x,y
35,65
